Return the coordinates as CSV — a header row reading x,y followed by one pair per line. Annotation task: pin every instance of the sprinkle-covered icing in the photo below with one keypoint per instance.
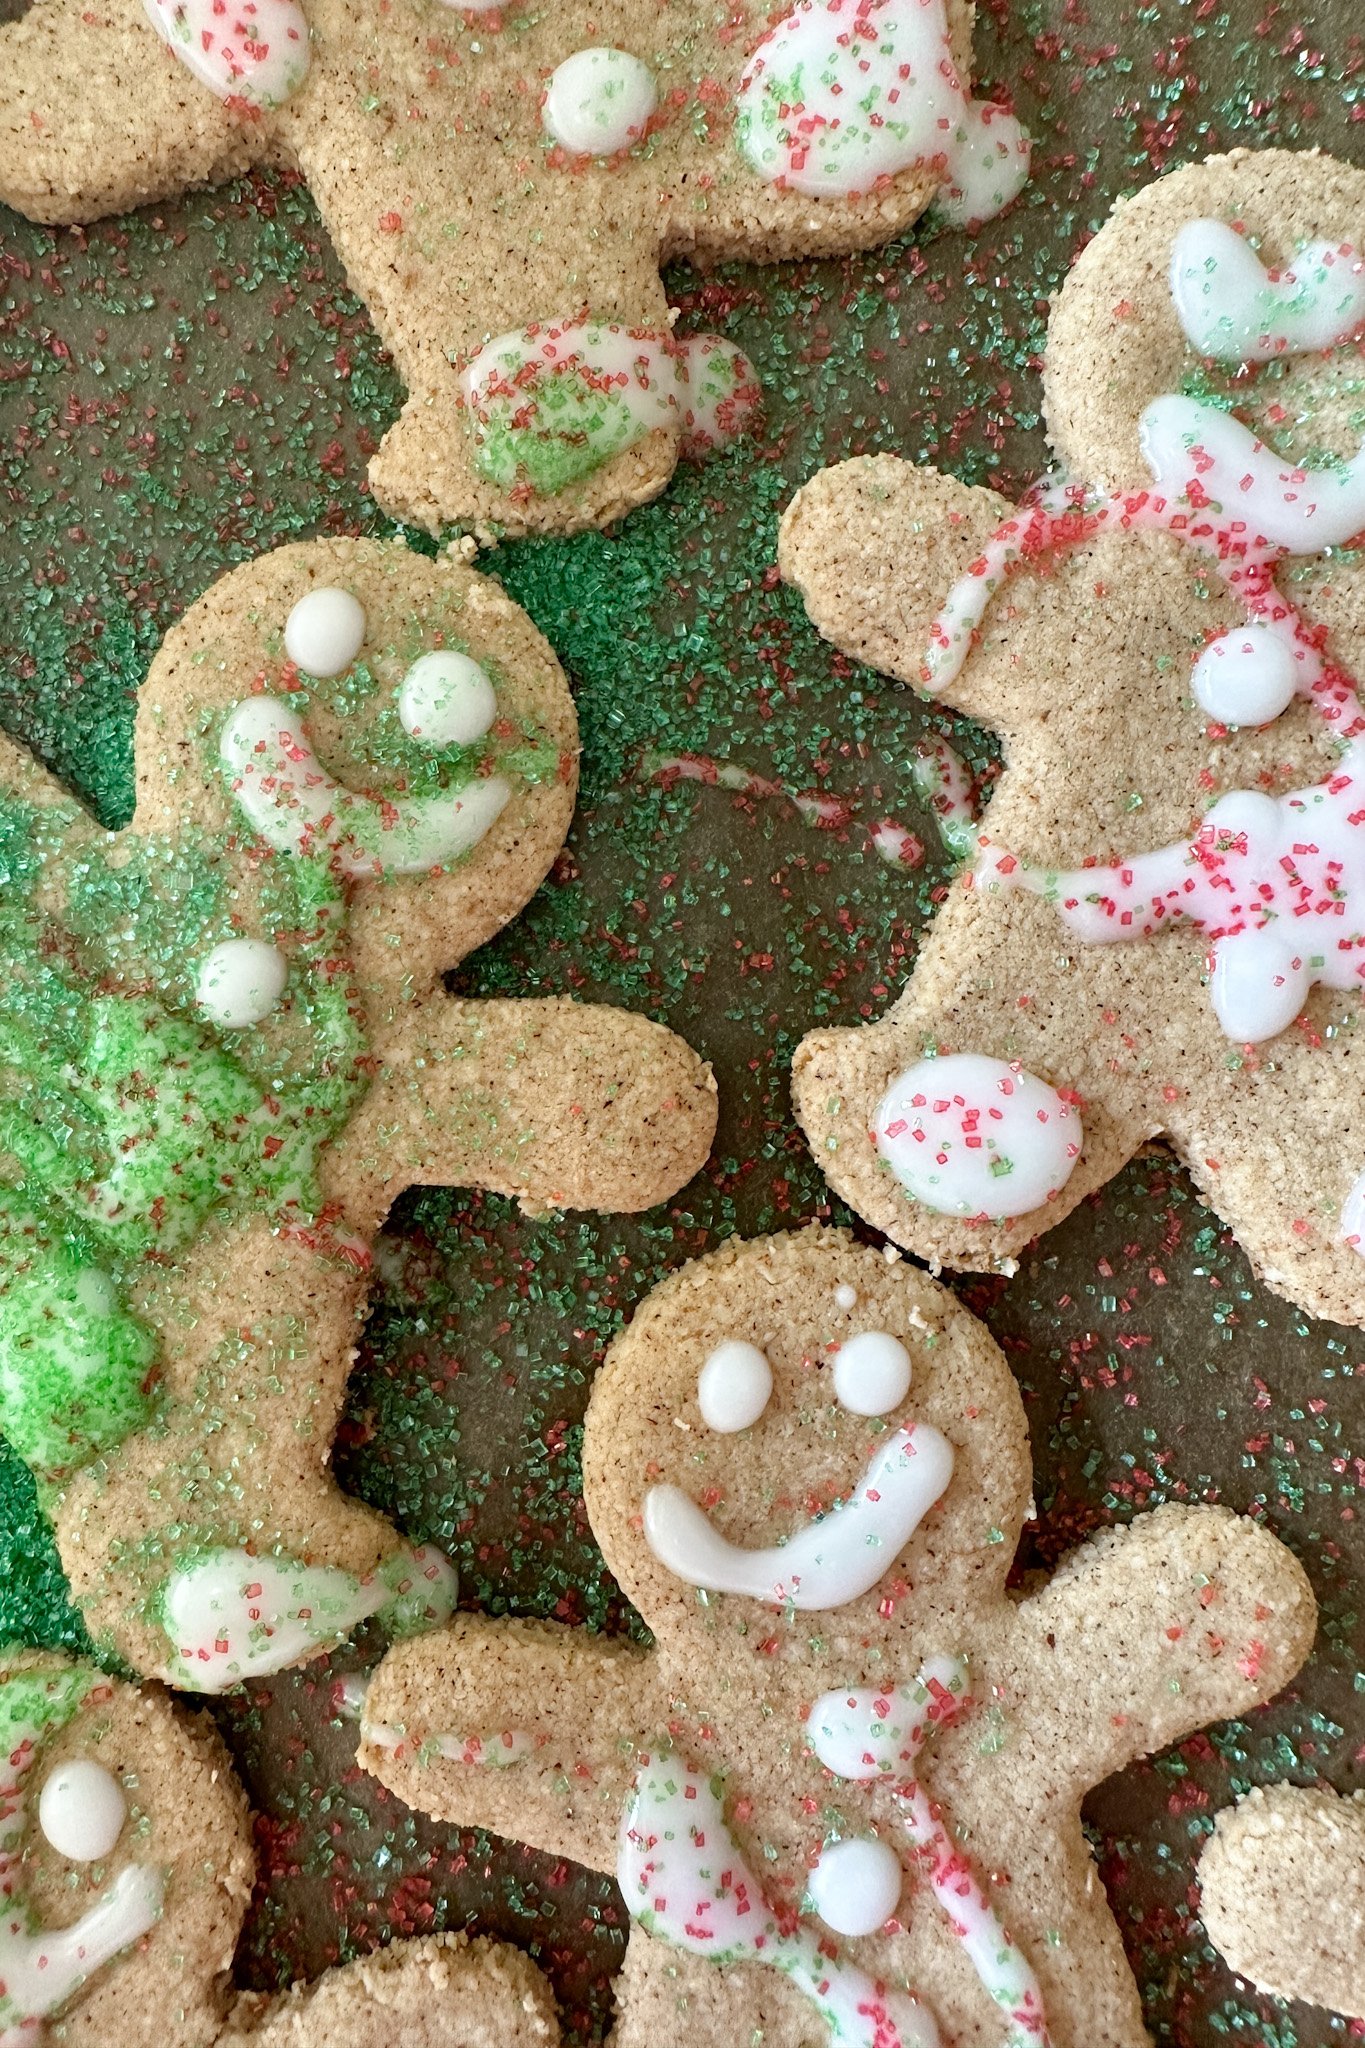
x,y
240,982
843,94
81,1810
549,405
830,1561
1353,1215
866,1734
231,1616
599,102
495,1750
325,631
684,1878
855,1885
871,1373
298,807
255,51
446,700
40,1967
940,780
1203,458
1234,309
968,1135
734,1386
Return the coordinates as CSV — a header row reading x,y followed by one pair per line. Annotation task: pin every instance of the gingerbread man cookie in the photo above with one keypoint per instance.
x,y
126,1869
226,1049
504,182
1161,927
842,1791
1282,1894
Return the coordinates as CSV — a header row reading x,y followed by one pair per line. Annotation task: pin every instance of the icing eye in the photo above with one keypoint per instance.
x,y
856,1885
325,632
734,1387
599,101
446,700
81,1810
871,1373
240,982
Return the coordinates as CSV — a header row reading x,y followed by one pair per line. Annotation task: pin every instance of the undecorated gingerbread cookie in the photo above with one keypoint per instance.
x,y
225,1049
504,182
842,1791
1161,925
1282,1894
126,1869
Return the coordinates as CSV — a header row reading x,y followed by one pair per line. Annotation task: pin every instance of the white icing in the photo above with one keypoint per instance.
x,y
1246,677
869,1734
231,1616
599,102
446,700
259,69
1353,1216
842,94
297,807
968,1135
1201,456
845,1297
684,1878
490,1751
872,1373
830,1561
734,1386
325,632
240,982
856,1885
1233,308
81,1810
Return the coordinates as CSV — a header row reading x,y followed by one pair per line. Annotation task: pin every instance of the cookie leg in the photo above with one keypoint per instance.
x,y
561,1104
666,1998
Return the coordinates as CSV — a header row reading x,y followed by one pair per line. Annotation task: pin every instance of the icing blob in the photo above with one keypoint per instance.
x,y
968,1135
599,102
734,1386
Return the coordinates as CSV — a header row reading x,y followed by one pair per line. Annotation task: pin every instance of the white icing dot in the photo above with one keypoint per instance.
x,y
734,1386
856,1885
325,632
81,1810
845,1297
599,101
446,700
872,1373
1245,677
968,1135
1258,985
240,982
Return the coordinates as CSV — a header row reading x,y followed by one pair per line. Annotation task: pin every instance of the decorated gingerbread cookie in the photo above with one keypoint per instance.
x,y
1282,1894
842,1790
226,1049
126,1869
503,183
1160,927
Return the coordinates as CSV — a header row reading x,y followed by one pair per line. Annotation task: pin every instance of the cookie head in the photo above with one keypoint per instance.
x,y
805,1440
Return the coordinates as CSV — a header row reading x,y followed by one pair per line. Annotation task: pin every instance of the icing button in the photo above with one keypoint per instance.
x,y
81,1810
856,1885
325,632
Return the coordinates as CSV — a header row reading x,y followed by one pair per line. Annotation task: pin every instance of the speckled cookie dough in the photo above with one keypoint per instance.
x,y
842,1790
126,1868
226,1049
1282,1894
1160,925
503,184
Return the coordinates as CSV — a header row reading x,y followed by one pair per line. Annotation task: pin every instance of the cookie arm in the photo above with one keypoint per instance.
x,y
97,115
1149,1632
561,1104
525,1727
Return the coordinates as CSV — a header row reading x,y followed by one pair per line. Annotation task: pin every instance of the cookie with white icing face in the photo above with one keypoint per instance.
x,y
503,183
226,1048
1159,926
1282,1894
842,1790
126,1869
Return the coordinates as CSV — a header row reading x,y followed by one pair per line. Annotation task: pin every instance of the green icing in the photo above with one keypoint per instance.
x,y
38,1701
550,426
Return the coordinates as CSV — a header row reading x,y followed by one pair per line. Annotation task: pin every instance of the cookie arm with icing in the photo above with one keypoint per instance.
x,y
94,118
1147,1633
525,1727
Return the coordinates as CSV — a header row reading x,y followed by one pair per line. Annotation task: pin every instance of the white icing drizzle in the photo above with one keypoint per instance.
x,y
843,94
325,632
855,1885
1353,1216
240,982
685,1880
599,102
968,1135
830,1561
1204,458
871,1373
81,1810
734,1386
869,1734
231,1616
494,1750
1234,309
297,807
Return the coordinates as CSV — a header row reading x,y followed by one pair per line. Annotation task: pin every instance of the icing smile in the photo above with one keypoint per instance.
x,y
831,1561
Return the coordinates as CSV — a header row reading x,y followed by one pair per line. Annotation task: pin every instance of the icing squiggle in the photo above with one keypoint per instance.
x,y
830,1561
1234,309
685,1880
